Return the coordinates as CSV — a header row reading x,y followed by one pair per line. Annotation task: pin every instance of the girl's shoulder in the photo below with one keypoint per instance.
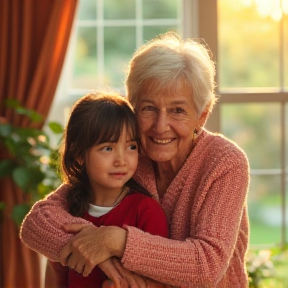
x,y
137,198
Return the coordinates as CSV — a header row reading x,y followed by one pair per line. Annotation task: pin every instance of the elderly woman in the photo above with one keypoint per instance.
x,y
200,179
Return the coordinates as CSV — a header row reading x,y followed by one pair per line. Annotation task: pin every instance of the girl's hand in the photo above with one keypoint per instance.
x,y
115,279
109,284
91,246
124,278
120,277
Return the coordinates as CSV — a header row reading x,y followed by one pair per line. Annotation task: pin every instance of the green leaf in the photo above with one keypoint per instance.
x,y
28,178
5,130
31,114
21,176
19,212
34,116
6,167
28,132
56,127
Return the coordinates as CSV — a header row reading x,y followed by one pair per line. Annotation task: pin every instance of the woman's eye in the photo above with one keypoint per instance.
x,y
148,111
178,110
149,108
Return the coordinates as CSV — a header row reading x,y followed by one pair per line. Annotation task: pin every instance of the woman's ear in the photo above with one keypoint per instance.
x,y
203,118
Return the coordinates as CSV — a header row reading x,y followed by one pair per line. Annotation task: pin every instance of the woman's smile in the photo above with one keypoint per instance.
x,y
162,141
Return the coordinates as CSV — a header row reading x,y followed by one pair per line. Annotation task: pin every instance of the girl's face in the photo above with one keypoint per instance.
x,y
110,165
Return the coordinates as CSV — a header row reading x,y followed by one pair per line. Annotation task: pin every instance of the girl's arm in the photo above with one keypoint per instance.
x,y
42,229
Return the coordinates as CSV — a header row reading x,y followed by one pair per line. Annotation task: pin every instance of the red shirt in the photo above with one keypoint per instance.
x,y
136,210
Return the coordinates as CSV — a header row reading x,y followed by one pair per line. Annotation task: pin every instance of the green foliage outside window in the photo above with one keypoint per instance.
x,y
267,268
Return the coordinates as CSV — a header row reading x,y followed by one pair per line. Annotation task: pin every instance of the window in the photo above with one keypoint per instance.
x,y
249,41
253,88
108,31
105,35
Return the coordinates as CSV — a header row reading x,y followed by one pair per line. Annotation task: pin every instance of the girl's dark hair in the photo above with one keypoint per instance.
x,y
96,118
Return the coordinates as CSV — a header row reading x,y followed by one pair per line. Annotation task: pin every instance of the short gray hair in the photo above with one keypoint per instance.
x,y
166,59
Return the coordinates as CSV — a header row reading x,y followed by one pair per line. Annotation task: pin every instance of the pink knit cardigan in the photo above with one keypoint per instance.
x,y
207,214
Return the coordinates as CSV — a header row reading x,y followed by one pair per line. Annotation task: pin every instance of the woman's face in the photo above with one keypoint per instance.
x,y
166,123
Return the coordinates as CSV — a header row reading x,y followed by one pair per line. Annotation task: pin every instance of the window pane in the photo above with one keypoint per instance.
x,y
256,128
150,32
115,9
85,58
87,10
249,44
285,19
160,9
118,53
264,204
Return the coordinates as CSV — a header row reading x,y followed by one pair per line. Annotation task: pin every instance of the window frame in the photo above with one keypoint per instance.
x,y
206,24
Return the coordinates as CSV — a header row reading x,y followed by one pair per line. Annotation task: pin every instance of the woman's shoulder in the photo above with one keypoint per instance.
x,y
217,146
219,141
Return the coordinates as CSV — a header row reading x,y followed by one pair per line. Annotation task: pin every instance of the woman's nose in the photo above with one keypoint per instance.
x,y
161,123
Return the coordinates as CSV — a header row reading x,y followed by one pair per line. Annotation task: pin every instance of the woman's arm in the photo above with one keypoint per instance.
x,y
215,245
42,229
82,252
147,210
204,256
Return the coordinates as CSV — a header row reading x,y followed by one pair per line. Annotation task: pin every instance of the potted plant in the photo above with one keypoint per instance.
x,y
32,161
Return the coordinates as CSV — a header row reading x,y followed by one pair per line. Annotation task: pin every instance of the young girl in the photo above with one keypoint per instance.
x,y
99,158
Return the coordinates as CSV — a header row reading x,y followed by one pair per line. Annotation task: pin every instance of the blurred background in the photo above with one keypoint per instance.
x,y
249,42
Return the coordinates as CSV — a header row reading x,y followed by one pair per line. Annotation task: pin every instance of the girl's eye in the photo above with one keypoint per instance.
x,y
107,148
133,147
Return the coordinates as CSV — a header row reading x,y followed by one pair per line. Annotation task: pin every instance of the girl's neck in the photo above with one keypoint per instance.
x,y
109,198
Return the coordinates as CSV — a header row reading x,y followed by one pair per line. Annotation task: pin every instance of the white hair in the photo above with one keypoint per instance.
x,y
167,59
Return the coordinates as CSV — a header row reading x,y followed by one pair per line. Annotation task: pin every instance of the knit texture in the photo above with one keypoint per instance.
x,y
207,215
136,210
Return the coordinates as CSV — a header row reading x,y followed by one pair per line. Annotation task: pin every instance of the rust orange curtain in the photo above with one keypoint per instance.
x,y
33,40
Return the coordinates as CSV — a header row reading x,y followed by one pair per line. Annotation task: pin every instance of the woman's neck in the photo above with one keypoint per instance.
x,y
164,174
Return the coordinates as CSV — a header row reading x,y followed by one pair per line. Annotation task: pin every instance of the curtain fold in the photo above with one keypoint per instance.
x,y
33,40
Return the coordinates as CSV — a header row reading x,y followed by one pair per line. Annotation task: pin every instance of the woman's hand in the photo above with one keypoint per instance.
x,y
91,245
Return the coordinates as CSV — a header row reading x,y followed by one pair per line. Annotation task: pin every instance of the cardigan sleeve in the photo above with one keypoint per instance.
x,y
202,259
41,230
